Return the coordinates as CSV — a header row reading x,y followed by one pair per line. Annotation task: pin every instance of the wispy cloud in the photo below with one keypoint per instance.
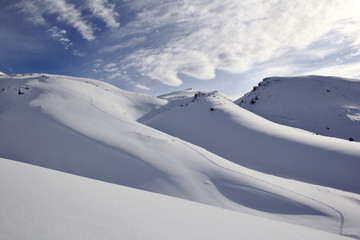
x,y
78,53
70,14
349,70
32,11
142,87
196,38
173,40
128,44
105,11
111,67
60,35
64,12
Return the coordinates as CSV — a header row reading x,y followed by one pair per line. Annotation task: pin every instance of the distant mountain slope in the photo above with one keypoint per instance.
x,y
212,121
38,203
92,129
328,106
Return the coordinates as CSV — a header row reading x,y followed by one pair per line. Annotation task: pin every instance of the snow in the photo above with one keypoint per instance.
x,y
95,130
328,106
2,74
253,142
38,203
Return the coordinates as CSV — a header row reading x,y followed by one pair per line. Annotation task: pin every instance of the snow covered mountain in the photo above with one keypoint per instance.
x,y
212,121
95,130
328,106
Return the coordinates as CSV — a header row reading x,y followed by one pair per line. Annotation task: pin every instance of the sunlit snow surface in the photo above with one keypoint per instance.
x,y
328,106
92,129
38,203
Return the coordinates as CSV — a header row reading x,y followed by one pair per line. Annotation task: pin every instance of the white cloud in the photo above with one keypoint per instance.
x,y
59,34
167,39
123,45
142,87
197,38
114,75
67,12
165,65
65,41
105,11
111,67
32,10
97,65
77,53
350,70
355,53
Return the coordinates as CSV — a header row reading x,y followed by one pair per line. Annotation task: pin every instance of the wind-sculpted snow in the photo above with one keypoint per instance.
x,y
92,129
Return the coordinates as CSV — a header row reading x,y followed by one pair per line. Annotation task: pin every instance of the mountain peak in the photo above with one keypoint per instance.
x,y
328,106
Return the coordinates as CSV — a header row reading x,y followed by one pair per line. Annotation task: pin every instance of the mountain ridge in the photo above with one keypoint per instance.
x,y
328,106
212,120
92,129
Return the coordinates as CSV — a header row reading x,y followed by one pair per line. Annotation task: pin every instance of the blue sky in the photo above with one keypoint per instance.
x,y
159,46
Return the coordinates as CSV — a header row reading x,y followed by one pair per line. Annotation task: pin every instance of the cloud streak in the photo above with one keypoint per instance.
x,y
105,11
177,41
70,14
64,12
196,38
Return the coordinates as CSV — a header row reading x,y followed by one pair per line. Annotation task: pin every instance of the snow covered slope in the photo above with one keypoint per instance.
x,y
38,203
2,74
93,129
328,106
212,121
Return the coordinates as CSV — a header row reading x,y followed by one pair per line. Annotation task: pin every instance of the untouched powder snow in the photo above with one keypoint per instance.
x,y
328,106
38,203
92,129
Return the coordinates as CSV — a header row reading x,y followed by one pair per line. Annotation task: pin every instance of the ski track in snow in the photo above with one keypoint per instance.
x,y
99,109
339,213
337,217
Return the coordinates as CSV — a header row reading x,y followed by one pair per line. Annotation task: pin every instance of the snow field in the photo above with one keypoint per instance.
x,y
92,129
39,203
